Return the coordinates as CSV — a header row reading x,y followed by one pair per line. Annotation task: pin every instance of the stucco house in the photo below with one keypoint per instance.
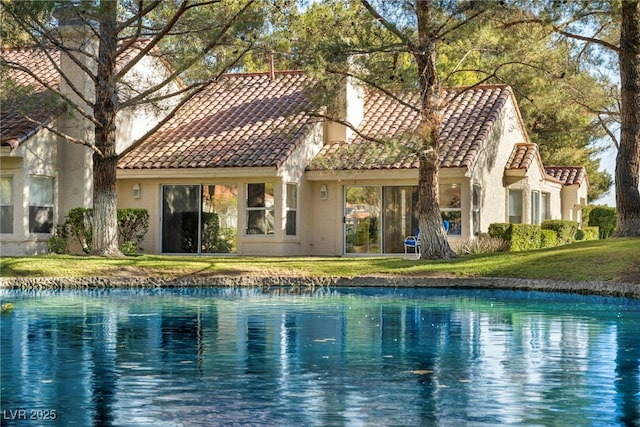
x,y
43,176
242,169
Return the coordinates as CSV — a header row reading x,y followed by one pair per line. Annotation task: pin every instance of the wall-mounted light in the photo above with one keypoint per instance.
x,y
324,192
135,191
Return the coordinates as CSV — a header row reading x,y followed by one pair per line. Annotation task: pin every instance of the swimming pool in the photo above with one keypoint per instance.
x,y
339,356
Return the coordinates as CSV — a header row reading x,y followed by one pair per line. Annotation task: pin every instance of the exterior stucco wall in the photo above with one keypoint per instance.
x,y
150,183
76,160
323,219
133,123
325,224
151,199
574,198
535,181
76,176
488,171
35,157
351,102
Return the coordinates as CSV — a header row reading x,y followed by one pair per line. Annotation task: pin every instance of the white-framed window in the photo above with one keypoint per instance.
x,y
515,206
535,207
40,204
544,206
260,209
451,208
475,206
291,210
6,204
539,206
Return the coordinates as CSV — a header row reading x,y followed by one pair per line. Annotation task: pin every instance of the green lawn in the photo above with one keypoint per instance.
x,y
603,260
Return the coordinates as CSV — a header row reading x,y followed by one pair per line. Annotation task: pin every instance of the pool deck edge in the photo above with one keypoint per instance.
x,y
607,288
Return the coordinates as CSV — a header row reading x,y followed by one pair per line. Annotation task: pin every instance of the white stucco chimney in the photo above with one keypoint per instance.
x,y
351,101
80,47
355,104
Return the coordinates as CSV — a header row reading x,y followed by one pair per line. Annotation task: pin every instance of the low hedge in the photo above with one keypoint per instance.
x,y
501,230
523,237
548,238
591,233
566,230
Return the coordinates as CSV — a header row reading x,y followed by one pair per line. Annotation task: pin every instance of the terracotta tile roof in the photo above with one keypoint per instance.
x,y
14,127
243,120
522,156
568,175
467,121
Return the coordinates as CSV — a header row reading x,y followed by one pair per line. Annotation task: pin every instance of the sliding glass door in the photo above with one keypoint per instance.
x,y
363,220
377,219
400,217
199,218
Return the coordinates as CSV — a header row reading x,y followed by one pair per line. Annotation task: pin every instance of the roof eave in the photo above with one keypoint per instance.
x,y
215,172
520,172
550,178
12,143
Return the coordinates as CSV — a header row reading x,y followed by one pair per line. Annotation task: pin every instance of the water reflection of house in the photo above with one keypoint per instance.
x,y
122,357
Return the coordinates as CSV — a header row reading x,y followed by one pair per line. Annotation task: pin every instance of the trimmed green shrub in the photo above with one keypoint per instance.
x,y
586,212
603,217
591,233
133,224
548,238
500,230
79,225
520,237
525,237
129,248
58,243
566,230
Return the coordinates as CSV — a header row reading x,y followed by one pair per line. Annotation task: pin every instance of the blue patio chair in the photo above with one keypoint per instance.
x,y
412,242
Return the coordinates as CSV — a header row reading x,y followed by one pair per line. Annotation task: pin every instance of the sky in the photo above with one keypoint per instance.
x,y
608,163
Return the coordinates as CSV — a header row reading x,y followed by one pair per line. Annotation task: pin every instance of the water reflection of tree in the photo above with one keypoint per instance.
x,y
103,376
628,374
326,357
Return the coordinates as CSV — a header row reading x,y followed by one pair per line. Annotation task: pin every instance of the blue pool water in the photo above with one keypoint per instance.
x,y
370,357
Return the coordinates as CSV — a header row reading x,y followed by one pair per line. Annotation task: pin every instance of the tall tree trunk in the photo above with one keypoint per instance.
x,y
433,239
105,221
628,158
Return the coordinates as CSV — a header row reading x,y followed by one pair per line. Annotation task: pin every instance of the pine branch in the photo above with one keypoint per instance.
x,y
559,29
388,25
441,36
150,44
587,39
53,89
608,131
176,73
63,135
138,17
